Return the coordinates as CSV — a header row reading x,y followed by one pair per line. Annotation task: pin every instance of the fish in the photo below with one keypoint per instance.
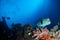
x,y
43,22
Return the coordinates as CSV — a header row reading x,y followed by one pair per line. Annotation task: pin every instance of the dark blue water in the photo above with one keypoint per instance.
x,y
29,11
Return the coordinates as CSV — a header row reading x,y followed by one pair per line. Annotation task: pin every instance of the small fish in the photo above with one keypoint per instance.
x,y
8,18
43,22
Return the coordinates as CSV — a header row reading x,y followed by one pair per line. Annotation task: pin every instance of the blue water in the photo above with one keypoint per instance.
x,y
29,11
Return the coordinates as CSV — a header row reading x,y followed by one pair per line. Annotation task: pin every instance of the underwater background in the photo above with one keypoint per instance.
x,y
29,11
